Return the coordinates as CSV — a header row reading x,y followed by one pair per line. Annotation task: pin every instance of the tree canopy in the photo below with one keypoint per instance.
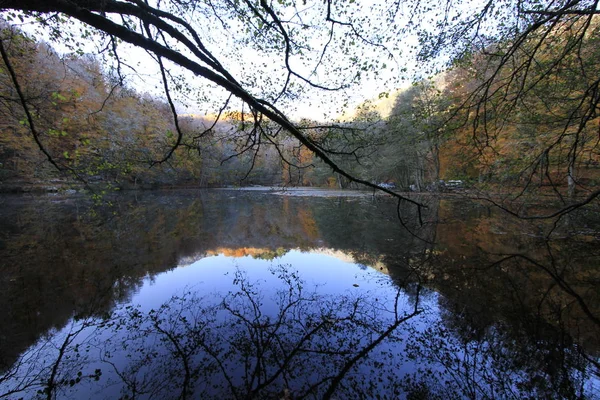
x,y
529,66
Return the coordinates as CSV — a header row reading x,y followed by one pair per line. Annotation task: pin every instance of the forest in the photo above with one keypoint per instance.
x,y
517,115
300,199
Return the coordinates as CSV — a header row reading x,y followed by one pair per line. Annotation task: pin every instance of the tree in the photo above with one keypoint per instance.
x,y
416,129
170,38
15,139
529,99
329,47
83,124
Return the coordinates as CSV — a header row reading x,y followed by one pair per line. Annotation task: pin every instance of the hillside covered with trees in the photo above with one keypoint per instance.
x,y
516,110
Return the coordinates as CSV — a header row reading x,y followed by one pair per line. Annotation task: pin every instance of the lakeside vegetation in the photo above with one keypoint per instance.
x,y
531,132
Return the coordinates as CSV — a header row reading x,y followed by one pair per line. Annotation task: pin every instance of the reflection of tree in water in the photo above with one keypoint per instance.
x,y
497,360
520,312
56,260
520,276
296,343
515,321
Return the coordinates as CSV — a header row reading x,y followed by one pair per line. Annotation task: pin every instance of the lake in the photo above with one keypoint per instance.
x,y
314,294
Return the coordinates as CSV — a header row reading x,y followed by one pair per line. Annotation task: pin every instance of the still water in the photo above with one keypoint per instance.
x,y
249,294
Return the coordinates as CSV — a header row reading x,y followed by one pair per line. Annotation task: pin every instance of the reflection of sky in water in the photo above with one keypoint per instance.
x,y
331,274
454,320
212,277
215,274
328,275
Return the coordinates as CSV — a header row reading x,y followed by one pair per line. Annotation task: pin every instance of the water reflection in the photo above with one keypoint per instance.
x,y
491,310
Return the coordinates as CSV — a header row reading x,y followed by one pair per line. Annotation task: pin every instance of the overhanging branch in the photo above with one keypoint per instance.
x,y
90,13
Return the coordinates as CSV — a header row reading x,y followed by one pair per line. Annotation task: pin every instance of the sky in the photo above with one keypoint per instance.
x,y
262,72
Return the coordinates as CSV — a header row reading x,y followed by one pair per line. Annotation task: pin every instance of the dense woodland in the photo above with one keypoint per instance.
x,y
524,119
